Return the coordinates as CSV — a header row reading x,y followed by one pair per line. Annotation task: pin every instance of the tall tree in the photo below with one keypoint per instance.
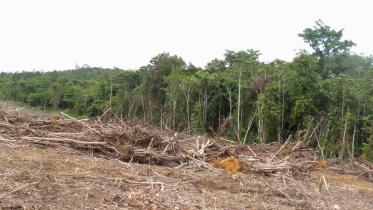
x,y
241,62
326,42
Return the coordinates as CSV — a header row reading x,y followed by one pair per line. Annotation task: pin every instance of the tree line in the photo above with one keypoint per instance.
x,y
324,96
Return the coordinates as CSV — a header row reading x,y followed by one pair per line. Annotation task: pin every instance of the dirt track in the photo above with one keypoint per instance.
x,y
39,176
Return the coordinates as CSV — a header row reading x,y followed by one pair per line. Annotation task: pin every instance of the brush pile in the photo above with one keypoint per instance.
x,y
131,142
57,161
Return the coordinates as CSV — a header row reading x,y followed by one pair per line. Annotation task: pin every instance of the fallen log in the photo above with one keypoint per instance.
x,y
63,140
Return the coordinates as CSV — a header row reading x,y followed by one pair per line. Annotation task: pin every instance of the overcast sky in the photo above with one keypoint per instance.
x,y
57,34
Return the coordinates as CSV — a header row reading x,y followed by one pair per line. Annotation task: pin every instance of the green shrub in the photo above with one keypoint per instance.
x,y
368,150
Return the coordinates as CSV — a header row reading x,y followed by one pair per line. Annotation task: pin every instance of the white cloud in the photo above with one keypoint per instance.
x,y
51,34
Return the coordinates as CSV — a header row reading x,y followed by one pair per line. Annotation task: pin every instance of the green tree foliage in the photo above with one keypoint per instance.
x,y
325,98
326,42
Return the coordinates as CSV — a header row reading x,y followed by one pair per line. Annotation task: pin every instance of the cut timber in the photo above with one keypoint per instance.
x,y
63,140
87,126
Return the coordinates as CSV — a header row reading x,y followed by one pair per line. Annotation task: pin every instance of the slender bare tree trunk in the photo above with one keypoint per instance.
x,y
200,99
205,100
343,105
187,98
174,103
345,124
143,107
279,125
161,120
353,143
188,112
239,103
260,124
219,118
282,105
230,101
354,133
344,139
230,104
130,107
248,129
151,112
111,93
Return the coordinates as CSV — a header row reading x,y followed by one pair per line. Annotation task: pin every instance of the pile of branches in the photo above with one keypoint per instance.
x,y
115,139
129,142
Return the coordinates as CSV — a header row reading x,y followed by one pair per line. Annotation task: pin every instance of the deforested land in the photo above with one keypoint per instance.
x,y
235,134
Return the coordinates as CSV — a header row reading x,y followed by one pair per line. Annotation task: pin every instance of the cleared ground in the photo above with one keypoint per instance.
x,y
46,174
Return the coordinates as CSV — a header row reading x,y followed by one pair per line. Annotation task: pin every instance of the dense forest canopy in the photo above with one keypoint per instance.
x,y
324,97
